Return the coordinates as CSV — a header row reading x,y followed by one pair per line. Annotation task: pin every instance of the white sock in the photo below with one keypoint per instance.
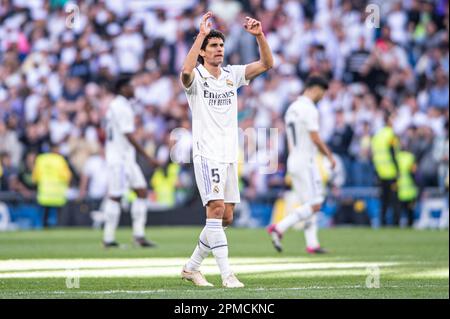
x,y
219,245
312,240
201,251
139,215
301,213
112,216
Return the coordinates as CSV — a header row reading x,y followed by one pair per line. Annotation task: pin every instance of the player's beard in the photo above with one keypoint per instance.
x,y
217,61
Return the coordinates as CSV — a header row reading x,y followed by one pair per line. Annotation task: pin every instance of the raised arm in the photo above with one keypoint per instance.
x,y
187,72
265,54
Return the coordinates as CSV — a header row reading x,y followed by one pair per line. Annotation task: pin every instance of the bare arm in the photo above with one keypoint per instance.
x,y
322,147
187,72
140,149
266,59
84,181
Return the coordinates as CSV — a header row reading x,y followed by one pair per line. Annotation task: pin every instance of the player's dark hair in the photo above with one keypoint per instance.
x,y
52,145
212,34
387,116
316,80
122,81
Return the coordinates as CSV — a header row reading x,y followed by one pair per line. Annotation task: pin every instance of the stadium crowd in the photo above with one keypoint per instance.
x,y
56,67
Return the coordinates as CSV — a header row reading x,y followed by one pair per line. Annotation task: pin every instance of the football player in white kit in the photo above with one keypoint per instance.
x,y
302,126
123,170
211,91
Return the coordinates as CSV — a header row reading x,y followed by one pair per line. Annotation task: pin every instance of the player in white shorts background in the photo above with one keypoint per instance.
x,y
123,171
302,127
211,91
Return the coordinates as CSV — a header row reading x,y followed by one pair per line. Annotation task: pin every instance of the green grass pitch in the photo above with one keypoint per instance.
x,y
405,264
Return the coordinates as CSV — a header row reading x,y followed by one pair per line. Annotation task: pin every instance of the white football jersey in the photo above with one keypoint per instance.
x,y
302,117
119,121
213,103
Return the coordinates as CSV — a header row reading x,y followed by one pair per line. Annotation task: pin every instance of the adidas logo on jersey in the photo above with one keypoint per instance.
x,y
206,85
230,83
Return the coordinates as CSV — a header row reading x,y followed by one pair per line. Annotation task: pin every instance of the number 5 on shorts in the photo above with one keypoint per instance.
x,y
215,175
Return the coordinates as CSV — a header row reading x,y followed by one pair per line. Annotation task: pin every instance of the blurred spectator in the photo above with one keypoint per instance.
x,y
439,91
8,173
362,168
36,138
26,175
9,143
94,177
422,147
341,139
355,61
441,154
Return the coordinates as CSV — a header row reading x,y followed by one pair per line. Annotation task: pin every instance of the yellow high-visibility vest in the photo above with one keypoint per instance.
x,y
52,175
165,186
382,142
407,190
323,171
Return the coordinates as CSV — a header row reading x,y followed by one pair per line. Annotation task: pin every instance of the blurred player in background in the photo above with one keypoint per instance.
x,y
212,95
332,181
123,170
302,124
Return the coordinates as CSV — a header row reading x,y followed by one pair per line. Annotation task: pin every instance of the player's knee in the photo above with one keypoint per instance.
x,y
216,211
115,199
141,193
227,221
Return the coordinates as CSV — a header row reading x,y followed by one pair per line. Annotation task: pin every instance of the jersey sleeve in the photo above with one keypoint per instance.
x,y
312,120
238,73
191,90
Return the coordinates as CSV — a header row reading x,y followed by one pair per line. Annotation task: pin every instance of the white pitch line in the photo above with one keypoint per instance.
x,y
50,264
169,270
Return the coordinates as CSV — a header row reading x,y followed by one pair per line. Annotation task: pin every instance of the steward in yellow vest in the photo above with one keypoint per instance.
x,y
52,175
407,189
385,146
164,182
384,151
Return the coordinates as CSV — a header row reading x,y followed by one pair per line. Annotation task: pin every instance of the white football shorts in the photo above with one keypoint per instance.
x,y
307,183
217,181
124,176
